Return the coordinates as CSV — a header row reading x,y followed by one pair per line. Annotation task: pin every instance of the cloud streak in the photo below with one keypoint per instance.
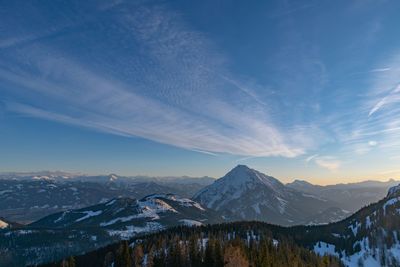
x,y
373,124
392,97
159,93
308,159
328,162
380,70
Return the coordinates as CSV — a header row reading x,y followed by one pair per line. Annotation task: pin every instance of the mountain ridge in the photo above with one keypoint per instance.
x,y
368,238
247,194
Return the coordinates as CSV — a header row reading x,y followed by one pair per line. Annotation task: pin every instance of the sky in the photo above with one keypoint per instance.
x,y
296,89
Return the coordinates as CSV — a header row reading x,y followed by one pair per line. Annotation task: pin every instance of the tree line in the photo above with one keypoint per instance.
x,y
225,245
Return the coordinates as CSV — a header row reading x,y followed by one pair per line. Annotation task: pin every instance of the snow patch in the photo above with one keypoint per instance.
x,y
111,202
256,208
368,222
322,248
186,202
130,231
390,202
5,191
393,190
189,222
61,217
282,205
89,214
354,228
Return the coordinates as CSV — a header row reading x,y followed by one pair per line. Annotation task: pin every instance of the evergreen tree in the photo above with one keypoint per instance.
x,y
218,256
71,262
138,256
194,251
234,257
108,259
123,258
209,259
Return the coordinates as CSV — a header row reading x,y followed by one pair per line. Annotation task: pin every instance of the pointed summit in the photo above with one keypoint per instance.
x,y
241,167
240,170
247,194
242,175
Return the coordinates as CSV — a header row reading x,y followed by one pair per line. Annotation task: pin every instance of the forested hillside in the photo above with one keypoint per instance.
x,y
235,244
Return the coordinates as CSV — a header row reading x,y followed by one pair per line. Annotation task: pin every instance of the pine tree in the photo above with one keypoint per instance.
x,y
218,258
209,253
234,257
175,255
108,259
123,258
138,256
194,252
71,261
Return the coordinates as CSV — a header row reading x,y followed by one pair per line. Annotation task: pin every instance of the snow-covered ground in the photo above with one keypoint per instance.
x,y
322,248
188,222
89,214
131,231
366,257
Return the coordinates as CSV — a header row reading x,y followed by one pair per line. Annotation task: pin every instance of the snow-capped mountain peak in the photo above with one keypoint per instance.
x,y
236,185
113,177
242,175
246,194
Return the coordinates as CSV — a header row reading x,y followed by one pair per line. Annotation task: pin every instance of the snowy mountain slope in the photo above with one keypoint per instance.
x,y
246,194
75,231
161,210
370,237
28,200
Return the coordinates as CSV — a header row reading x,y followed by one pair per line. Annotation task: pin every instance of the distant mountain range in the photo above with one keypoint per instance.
x,y
350,196
65,176
243,194
29,197
370,237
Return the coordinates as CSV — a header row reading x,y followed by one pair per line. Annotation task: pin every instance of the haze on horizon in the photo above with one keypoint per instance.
x,y
297,89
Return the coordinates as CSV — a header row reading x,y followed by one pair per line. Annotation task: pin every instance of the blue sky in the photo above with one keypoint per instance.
x,y
297,89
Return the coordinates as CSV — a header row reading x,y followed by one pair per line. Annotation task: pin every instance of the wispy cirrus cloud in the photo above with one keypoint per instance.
x,y
310,158
147,83
380,70
374,124
392,97
328,162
